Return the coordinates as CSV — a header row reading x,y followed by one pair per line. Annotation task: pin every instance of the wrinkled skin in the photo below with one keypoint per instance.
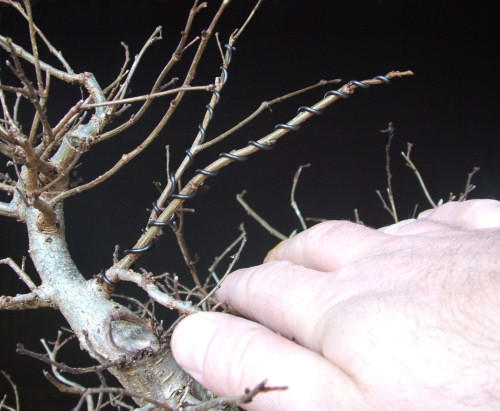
x,y
352,318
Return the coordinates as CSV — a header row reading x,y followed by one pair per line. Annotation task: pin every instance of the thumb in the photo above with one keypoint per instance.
x,y
229,354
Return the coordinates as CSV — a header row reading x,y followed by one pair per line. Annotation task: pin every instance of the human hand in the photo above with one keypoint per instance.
x,y
351,318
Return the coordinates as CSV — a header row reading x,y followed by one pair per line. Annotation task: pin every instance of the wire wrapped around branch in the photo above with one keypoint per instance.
x,y
303,114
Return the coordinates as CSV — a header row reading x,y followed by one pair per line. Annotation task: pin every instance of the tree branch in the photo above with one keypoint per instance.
x,y
19,271
243,153
68,77
51,48
147,284
280,236
126,158
8,209
293,203
23,302
412,166
176,56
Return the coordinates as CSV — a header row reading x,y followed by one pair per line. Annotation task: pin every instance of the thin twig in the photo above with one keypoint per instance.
x,y
123,392
151,96
384,203
178,230
265,105
235,400
238,32
21,274
14,389
244,152
356,217
51,48
226,251
157,35
34,47
258,218
112,87
62,383
176,56
234,260
468,186
63,367
410,164
392,211
293,203
126,158
148,285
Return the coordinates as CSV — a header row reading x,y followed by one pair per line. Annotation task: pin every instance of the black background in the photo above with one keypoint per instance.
x,y
448,110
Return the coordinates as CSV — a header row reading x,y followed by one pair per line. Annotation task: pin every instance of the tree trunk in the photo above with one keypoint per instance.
x,y
105,329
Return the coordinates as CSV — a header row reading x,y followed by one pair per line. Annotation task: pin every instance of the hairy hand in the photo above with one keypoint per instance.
x,y
352,318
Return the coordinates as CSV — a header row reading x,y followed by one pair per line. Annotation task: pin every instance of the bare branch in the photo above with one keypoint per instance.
x,y
234,260
243,153
258,218
123,392
111,88
392,211
237,33
161,124
34,47
176,56
151,96
68,77
63,367
468,186
51,48
384,203
16,394
226,251
410,164
23,302
178,230
292,196
356,217
21,274
154,37
148,285
235,400
265,105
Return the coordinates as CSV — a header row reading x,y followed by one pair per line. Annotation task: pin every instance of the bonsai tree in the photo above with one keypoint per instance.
x,y
124,335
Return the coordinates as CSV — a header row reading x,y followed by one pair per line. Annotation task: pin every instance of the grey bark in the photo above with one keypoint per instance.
x,y
105,329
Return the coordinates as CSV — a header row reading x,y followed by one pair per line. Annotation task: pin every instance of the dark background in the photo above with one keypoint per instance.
x,y
448,110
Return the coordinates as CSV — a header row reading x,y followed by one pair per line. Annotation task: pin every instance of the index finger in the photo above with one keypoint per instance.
x,y
330,245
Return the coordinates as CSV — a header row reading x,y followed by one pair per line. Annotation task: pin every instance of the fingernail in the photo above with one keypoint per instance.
x,y
190,341
271,255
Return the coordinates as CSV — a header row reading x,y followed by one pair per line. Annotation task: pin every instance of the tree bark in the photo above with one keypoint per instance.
x,y
105,329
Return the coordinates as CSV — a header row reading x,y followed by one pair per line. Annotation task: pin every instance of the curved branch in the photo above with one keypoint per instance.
x,y
148,285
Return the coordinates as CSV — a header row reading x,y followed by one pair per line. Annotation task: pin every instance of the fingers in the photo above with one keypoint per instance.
x,y
412,227
287,298
471,214
330,245
227,355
